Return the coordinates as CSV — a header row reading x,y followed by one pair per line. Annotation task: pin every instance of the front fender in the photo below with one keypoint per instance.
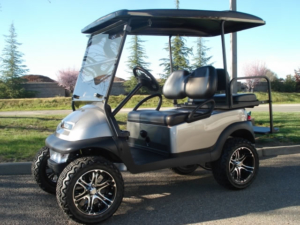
x,y
66,147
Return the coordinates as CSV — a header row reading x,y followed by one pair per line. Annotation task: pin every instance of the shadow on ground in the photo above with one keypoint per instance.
x,y
162,197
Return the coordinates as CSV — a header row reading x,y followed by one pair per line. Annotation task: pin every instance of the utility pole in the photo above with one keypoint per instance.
x,y
233,40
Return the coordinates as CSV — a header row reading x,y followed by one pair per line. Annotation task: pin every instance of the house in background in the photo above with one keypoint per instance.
x,y
45,87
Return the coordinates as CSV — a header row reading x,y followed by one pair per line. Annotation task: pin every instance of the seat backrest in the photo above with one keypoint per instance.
x,y
201,83
222,79
174,87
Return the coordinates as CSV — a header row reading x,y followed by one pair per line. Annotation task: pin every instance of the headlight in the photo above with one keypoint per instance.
x,y
66,125
58,157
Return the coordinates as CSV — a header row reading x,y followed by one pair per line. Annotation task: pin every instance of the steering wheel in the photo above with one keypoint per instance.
x,y
145,78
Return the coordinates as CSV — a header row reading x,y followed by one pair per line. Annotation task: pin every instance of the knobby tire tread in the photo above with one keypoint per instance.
x,y
68,173
219,166
42,153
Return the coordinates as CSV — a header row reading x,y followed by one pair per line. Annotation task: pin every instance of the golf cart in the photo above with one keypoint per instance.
x,y
82,160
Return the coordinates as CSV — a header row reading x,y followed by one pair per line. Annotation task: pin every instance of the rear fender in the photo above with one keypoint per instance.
x,y
240,129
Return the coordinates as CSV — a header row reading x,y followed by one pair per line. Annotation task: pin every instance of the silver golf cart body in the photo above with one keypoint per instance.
x,y
81,161
178,137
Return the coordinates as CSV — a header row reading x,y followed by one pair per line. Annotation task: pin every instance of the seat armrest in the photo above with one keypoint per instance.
x,y
196,116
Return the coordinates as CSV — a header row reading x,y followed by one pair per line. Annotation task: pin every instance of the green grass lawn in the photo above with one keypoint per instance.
x,y
21,137
65,103
288,124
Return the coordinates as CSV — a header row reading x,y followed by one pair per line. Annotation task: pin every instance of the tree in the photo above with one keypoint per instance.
x,y
136,58
271,75
177,4
12,68
254,69
297,79
290,83
201,58
67,78
180,54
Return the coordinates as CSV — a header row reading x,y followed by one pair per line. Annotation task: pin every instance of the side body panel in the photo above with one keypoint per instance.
x,y
158,137
203,134
185,137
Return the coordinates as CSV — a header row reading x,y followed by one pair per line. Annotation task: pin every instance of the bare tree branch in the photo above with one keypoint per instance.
x,y
253,69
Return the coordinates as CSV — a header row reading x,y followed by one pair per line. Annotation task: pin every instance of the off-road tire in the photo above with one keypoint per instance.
x,y
67,181
38,169
184,170
224,171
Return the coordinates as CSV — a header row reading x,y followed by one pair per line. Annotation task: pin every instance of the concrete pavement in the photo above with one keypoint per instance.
x,y
162,197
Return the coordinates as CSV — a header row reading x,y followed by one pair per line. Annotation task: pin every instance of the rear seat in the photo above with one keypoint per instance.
x,y
239,100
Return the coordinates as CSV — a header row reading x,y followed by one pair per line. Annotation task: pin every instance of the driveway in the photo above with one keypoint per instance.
x,y
162,197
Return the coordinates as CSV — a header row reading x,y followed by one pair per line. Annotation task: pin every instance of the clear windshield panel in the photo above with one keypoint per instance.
x,y
97,67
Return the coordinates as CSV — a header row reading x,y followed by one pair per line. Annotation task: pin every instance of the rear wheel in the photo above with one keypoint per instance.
x,y
42,174
90,190
185,170
238,165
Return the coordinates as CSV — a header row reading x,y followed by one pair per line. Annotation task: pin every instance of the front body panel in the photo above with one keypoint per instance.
x,y
87,122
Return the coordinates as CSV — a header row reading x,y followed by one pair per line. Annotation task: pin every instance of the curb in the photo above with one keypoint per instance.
x,y
17,168
24,168
279,150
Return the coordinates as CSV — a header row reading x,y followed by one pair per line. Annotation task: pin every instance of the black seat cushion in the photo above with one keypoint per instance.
x,y
239,101
237,98
164,118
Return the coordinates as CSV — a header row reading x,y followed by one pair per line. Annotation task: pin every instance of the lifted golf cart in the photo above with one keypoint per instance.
x,y
82,159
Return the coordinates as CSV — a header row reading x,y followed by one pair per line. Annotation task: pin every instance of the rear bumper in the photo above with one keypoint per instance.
x,y
56,167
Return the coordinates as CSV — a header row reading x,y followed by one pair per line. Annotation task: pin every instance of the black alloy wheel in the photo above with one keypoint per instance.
x,y
238,165
90,189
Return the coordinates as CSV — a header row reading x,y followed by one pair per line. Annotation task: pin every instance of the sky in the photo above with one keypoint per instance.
x,y
50,33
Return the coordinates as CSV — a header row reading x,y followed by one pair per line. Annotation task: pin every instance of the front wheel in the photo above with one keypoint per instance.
x,y
238,165
90,189
42,174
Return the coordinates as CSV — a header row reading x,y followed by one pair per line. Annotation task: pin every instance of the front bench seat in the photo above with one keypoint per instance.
x,y
163,118
180,84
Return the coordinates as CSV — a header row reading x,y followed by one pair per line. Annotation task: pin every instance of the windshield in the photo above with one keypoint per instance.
x,y
97,67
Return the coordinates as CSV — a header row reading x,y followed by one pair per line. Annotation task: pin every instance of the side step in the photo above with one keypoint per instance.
x,y
141,157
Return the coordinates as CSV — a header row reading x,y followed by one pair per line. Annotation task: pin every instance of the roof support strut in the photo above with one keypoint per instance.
x,y
170,54
225,64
